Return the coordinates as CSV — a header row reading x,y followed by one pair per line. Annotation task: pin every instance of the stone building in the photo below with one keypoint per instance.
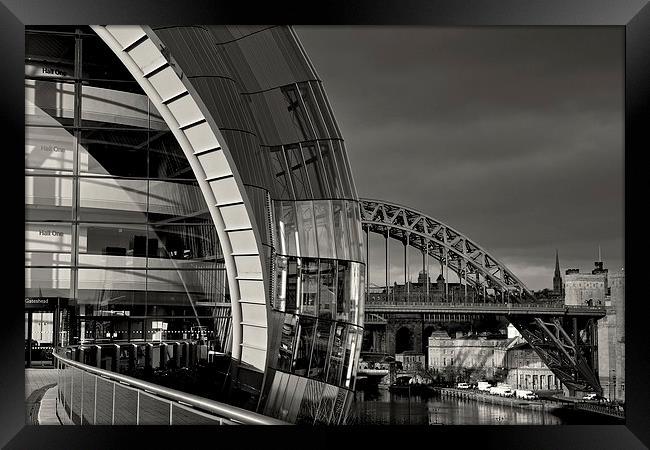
x,y
526,370
411,360
600,288
468,357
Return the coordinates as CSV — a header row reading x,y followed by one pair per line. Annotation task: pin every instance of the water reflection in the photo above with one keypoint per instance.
x,y
383,408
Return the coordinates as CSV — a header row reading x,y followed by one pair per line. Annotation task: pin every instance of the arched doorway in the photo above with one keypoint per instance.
x,y
403,340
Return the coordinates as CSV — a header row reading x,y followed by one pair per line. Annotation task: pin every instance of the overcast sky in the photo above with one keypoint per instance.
x,y
513,136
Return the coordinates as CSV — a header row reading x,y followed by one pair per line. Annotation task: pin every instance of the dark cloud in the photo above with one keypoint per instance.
x,y
511,135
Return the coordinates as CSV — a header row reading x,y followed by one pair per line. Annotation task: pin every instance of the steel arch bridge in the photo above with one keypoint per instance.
x,y
565,341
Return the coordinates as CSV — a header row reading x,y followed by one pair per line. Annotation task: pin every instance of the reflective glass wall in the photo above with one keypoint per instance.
x,y
115,222
271,109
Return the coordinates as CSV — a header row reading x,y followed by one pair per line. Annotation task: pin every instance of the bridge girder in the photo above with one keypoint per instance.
x,y
465,257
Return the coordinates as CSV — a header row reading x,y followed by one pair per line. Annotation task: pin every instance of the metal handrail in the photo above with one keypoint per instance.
x,y
230,412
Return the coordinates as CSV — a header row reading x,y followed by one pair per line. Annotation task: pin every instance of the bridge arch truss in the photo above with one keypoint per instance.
x,y
477,268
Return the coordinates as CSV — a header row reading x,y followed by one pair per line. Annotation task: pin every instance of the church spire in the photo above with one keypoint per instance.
x,y
557,278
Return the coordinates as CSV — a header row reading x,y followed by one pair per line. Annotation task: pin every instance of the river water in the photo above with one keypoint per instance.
x,y
382,407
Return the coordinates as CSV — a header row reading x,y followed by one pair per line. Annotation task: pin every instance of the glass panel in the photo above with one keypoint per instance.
x,y
49,55
48,194
106,107
112,200
88,398
287,398
112,245
279,117
296,169
344,170
287,342
310,403
293,286
113,152
49,103
331,171
99,62
298,395
166,158
280,297
314,168
309,287
153,411
342,291
48,244
285,214
76,395
349,355
318,367
354,228
355,291
327,291
306,229
317,98
306,329
338,409
327,405
47,282
175,198
49,149
104,402
125,405
313,111
336,357
186,242
194,290
299,118
340,224
280,174
324,229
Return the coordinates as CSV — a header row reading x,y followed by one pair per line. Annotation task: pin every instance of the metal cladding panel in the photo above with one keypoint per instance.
x,y
229,33
193,48
223,100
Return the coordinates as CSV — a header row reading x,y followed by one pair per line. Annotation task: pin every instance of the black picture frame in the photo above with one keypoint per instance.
x,y
633,15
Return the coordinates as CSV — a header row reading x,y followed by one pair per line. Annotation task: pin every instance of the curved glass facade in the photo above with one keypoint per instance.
x,y
116,228
135,241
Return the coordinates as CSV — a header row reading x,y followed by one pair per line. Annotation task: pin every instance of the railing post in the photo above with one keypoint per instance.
x,y
113,407
171,409
137,408
81,407
98,356
95,406
71,391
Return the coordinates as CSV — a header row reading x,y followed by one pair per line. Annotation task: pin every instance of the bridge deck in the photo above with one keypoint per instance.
x,y
533,309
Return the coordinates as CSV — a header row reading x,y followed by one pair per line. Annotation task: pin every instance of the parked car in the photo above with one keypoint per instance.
x,y
525,394
462,386
591,396
501,391
483,386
